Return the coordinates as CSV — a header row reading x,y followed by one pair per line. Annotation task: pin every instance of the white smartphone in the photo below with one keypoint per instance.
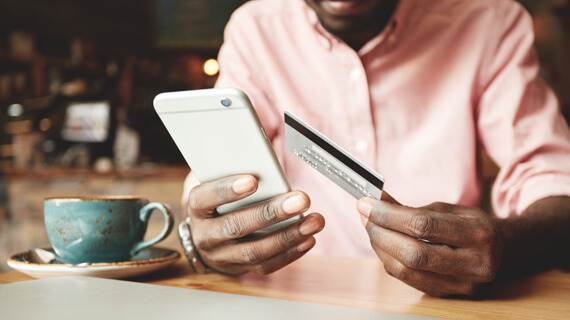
x,y
219,134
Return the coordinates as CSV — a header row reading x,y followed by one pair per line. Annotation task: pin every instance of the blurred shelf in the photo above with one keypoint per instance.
x,y
136,172
7,60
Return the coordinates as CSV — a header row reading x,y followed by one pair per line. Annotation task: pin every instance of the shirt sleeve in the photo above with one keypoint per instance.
x,y
519,119
240,67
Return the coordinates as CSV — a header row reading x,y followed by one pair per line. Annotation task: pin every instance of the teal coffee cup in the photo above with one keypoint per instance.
x,y
101,229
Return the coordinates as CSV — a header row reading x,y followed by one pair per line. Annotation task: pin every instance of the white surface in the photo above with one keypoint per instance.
x,y
91,298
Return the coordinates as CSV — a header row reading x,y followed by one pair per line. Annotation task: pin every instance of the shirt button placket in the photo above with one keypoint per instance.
x,y
360,115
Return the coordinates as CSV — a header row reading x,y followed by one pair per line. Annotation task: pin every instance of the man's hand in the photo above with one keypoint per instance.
x,y
225,242
440,249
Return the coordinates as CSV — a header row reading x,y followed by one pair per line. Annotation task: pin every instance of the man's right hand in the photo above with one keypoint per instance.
x,y
225,242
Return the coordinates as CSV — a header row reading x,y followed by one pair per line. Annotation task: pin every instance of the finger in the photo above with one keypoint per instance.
x,y
252,252
243,222
267,266
435,258
443,207
282,259
420,223
431,283
205,198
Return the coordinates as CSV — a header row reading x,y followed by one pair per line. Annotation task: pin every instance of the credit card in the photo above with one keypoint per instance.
x,y
331,160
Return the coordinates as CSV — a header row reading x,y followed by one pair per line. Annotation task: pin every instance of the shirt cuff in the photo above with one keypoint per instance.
x,y
543,186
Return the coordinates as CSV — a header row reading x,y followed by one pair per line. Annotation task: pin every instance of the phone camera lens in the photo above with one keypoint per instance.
x,y
226,102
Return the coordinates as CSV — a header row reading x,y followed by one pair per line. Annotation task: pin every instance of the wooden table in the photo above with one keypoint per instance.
x,y
363,283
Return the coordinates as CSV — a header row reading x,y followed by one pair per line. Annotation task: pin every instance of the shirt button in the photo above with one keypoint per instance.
x,y
362,146
355,74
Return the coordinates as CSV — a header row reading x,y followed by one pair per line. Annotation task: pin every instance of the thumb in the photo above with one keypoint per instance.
x,y
387,197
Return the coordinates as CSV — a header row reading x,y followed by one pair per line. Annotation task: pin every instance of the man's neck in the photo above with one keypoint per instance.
x,y
382,17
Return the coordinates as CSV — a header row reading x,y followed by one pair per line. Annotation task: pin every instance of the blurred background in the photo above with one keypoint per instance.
x,y
77,80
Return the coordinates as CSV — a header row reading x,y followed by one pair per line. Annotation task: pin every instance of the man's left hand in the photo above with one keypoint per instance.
x,y
440,249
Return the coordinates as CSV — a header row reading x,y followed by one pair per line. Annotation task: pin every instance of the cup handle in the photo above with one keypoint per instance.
x,y
145,213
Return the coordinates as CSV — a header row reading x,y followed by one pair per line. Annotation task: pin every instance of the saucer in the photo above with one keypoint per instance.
x,y
38,264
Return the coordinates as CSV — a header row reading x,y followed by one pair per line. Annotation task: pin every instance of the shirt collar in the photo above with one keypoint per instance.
x,y
323,36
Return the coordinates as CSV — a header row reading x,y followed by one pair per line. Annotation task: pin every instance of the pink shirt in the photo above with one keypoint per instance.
x,y
415,103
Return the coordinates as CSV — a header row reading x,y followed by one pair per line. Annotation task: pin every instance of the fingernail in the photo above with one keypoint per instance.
x,y
243,184
306,245
364,207
294,204
309,226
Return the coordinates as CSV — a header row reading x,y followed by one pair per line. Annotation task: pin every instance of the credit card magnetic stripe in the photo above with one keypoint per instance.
x,y
331,160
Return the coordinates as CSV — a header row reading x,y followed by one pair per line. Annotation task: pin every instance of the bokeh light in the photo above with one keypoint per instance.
x,y
211,67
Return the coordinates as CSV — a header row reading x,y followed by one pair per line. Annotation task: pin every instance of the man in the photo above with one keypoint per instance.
x,y
413,88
